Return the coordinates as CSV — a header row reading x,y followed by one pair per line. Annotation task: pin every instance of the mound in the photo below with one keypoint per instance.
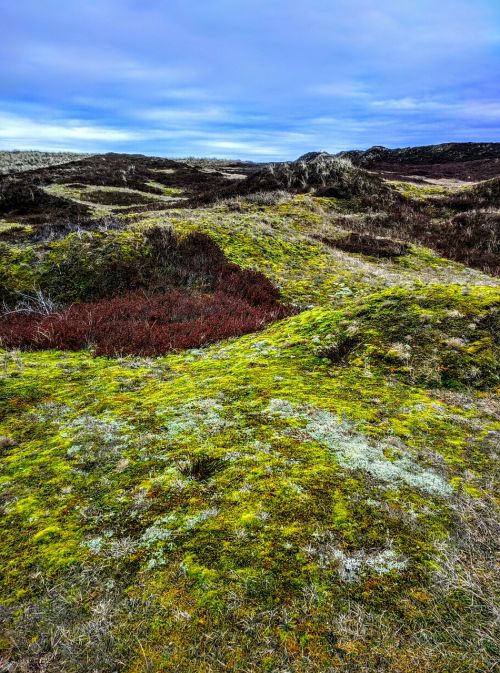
x,y
436,335
320,173
487,193
426,154
190,296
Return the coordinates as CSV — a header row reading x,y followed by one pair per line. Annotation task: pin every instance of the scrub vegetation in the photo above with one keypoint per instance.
x,y
252,427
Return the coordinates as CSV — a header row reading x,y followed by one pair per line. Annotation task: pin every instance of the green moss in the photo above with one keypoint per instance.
x,y
279,514
79,267
12,231
272,502
436,335
17,271
419,191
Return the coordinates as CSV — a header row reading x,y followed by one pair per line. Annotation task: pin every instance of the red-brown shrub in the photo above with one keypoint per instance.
x,y
141,325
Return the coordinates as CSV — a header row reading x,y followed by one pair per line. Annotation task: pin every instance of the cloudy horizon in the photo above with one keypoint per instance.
x,y
260,80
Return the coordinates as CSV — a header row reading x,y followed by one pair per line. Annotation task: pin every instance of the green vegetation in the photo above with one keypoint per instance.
x,y
315,497
420,191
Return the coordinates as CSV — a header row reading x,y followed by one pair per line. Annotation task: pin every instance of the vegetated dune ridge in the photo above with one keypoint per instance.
x,y
19,161
248,414
462,161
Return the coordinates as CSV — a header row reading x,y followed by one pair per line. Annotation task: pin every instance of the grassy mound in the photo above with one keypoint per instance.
x,y
488,192
325,174
435,335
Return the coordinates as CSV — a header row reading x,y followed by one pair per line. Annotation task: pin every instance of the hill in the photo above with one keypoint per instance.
x,y
19,161
249,417
464,161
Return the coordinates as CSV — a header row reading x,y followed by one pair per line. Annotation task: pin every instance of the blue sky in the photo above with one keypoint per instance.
x,y
254,79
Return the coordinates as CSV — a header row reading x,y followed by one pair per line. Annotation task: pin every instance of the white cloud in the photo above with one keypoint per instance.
x,y
240,146
184,116
22,131
475,109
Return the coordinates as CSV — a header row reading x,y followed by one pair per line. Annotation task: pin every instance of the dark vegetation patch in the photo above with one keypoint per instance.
x,y
338,353
466,227
139,325
463,227
117,197
473,238
467,171
23,199
202,467
425,154
462,161
48,232
145,294
374,246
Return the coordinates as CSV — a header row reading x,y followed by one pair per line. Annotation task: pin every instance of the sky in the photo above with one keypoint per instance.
x,y
251,79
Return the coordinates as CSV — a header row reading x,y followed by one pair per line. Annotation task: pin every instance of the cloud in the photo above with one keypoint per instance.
x,y
22,132
184,116
243,148
480,110
255,77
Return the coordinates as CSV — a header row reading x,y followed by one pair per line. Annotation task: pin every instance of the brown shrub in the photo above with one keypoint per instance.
x,y
367,245
140,325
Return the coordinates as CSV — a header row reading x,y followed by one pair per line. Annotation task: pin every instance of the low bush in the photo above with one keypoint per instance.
x,y
366,244
125,292
139,325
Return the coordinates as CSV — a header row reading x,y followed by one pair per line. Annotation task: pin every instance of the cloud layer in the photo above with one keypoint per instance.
x,y
254,79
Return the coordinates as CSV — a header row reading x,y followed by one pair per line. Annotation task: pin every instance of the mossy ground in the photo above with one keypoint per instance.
x,y
258,505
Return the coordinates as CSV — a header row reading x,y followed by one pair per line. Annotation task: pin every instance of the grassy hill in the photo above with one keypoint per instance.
x,y
249,419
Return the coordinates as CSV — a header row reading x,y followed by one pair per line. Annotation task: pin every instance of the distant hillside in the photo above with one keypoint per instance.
x,y
426,154
19,161
464,161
